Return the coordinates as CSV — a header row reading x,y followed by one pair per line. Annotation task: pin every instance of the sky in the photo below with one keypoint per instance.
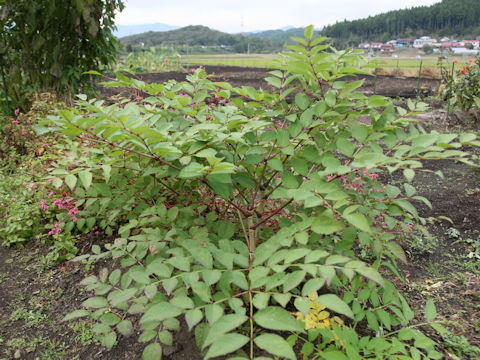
x,y
251,15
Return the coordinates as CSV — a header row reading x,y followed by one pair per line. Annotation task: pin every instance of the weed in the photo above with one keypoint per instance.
x,y
460,346
83,332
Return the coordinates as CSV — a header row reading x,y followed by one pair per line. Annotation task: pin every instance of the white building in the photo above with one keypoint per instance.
x,y
424,40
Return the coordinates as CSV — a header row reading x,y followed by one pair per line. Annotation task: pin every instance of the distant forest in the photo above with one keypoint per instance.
x,y
452,18
198,39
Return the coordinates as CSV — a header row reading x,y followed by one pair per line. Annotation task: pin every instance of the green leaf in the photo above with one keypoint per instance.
x,y
71,181
275,164
302,101
95,302
430,310
75,315
110,339
165,337
152,352
326,225
120,296
140,276
370,273
308,32
260,300
202,290
358,220
293,279
192,170
275,345
226,344
334,303
312,285
114,277
222,326
86,178
409,174
277,318
125,328
193,317
159,312
283,138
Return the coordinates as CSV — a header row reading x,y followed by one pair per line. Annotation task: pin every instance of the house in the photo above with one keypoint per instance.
x,y
450,44
387,48
424,40
475,44
404,42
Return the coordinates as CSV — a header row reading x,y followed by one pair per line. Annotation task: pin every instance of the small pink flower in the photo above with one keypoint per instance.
x,y
44,205
15,122
17,111
24,132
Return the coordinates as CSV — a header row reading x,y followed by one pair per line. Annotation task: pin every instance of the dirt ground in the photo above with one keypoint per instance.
x,y
35,297
405,87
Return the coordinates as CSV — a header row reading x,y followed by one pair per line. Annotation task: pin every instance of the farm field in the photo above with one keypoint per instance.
x,y
405,65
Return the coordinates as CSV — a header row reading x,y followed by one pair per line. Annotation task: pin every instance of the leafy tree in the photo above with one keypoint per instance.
x,y
427,49
49,44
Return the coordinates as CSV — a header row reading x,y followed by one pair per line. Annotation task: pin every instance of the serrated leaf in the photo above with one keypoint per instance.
x,y
277,318
275,345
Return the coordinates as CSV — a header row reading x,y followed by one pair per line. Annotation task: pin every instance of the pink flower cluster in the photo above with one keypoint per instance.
x,y
165,61
65,204
56,229
44,205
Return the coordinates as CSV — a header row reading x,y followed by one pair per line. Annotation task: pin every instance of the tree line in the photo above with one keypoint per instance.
x,y
452,18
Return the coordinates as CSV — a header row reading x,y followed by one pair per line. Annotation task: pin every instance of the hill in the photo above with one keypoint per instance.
x,y
127,30
203,39
452,18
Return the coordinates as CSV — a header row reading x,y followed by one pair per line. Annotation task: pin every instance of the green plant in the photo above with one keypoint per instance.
x,y
20,216
83,332
460,346
464,90
241,205
150,61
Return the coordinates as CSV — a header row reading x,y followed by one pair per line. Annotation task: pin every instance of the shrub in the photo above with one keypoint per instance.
x,y
242,211
464,90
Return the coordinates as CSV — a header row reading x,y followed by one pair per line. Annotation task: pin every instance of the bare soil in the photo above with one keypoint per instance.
x,y
34,297
405,87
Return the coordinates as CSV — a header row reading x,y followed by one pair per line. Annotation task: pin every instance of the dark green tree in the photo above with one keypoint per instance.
x,y
48,45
